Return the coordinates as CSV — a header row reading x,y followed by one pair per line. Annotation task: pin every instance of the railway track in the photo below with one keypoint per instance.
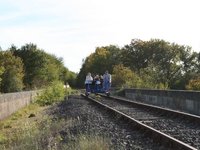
x,y
179,130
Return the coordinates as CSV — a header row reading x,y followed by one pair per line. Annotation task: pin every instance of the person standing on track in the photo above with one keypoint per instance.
x,y
106,81
88,82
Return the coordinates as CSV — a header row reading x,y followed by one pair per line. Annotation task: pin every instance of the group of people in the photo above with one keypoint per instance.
x,y
98,83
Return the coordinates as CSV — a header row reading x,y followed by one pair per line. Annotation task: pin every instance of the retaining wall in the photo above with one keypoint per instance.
x,y
11,102
186,101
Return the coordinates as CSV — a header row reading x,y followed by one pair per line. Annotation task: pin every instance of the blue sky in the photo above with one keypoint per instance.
x,y
72,29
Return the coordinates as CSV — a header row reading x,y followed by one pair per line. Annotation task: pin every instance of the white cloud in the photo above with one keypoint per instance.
x,y
72,29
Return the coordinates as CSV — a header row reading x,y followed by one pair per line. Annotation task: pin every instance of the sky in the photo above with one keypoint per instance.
x,y
72,29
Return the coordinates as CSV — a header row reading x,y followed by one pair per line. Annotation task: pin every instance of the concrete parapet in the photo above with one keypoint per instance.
x,y
11,102
187,101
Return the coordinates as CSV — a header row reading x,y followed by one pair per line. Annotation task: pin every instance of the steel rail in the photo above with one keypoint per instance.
x,y
155,134
157,108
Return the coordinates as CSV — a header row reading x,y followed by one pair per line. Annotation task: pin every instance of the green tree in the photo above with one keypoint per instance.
x,y
104,58
2,69
12,77
124,77
194,84
81,76
170,60
96,62
150,78
40,67
158,63
71,80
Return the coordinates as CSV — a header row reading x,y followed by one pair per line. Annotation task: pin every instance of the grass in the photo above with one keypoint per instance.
x,y
89,142
97,97
19,126
43,131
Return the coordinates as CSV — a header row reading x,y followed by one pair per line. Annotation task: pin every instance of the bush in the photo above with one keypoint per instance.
x,y
11,72
193,84
54,93
124,77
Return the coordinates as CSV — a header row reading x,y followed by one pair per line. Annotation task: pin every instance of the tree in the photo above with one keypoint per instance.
x,y
12,76
104,58
194,84
40,67
171,61
124,77
2,69
151,78
159,63
72,79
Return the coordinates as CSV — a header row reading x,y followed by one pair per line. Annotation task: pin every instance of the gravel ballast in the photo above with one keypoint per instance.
x,y
179,128
91,120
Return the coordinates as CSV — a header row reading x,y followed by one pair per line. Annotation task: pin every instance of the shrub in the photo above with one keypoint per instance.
x,y
194,84
124,77
11,72
53,93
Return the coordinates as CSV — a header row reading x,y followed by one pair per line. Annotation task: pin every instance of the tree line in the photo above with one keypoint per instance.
x,y
29,67
155,64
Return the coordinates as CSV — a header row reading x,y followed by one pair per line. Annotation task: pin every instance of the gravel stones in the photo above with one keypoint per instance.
x,y
91,120
179,128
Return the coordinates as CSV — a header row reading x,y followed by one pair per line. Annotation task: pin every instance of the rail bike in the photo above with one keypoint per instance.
x,y
96,87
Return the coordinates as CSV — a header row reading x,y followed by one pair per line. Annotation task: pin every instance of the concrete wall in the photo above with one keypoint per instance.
x,y
11,102
187,101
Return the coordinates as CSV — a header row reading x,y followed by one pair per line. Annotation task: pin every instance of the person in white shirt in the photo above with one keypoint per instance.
x,y
97,83
106,81
88,82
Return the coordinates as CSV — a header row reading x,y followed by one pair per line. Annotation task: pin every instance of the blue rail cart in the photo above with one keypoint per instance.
x,y
96,88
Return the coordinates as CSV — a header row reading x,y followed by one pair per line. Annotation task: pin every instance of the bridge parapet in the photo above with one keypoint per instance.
x,y
186,101
11,102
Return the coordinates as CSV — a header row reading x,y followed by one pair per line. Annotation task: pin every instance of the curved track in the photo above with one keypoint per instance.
x,y
180,130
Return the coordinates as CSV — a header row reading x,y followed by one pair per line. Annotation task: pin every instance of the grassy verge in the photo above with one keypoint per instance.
x,y
33,128
19,126
89,142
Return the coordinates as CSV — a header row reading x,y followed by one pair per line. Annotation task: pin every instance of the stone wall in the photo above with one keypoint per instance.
x,y
11,102
187,101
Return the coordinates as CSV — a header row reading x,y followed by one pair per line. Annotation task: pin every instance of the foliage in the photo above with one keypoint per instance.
x,y
166,61
30,68
11,72
194,84
40,67
150,78
157,63
104,58
160,64
53,93
71,80
2,69
124,77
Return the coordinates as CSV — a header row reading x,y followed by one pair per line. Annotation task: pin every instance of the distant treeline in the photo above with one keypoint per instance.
x,y
155,64
29,67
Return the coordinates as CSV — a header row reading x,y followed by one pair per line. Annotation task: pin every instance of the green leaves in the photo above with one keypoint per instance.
x,y
2,69
104,58
12,72
53,93
31,68
155,64
165,62
124,77
40,67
